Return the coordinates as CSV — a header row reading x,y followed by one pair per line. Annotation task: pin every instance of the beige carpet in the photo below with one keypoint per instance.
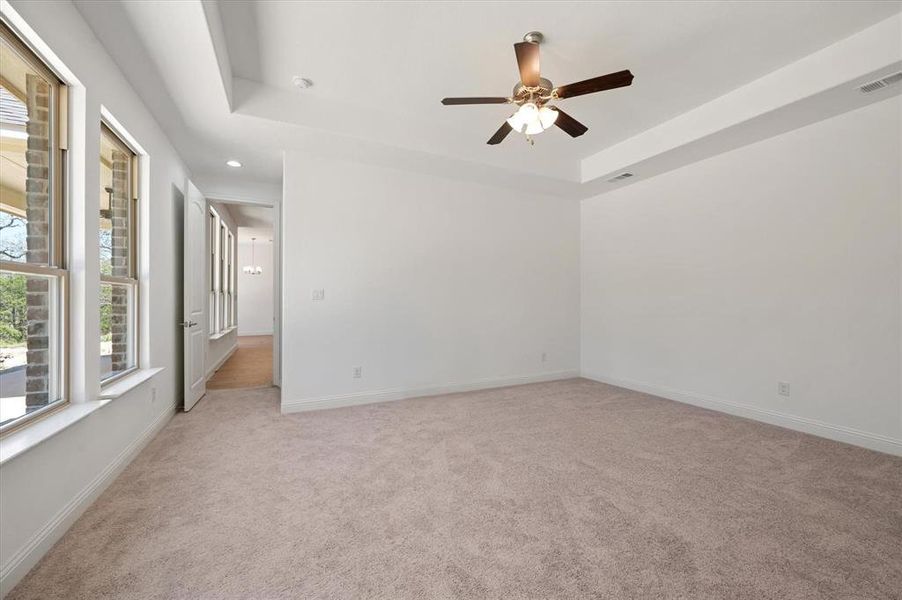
x,y
570,489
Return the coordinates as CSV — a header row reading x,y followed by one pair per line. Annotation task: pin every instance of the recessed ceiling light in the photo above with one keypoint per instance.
x,y
301,82
233,163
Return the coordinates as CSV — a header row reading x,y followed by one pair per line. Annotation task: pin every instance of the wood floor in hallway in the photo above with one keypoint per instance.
x,y
250,366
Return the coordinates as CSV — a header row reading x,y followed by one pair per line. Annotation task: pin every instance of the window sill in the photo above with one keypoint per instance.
x,y
43,429
223,333
127,383
33,434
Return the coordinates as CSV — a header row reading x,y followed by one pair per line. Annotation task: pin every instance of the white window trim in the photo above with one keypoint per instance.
x,y
134,227
56,270
221,297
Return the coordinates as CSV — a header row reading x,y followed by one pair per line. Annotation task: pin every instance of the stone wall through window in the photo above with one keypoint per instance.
x,y
118,293
37,201
32,257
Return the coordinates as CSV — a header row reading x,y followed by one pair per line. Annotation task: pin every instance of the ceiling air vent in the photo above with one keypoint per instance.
x,y
620,177
879,84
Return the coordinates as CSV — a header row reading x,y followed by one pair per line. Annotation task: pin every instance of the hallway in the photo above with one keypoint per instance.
x,y
249,367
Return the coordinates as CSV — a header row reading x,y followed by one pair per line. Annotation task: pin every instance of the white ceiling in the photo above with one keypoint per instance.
x,y
257,217
262,234
399,59
381,68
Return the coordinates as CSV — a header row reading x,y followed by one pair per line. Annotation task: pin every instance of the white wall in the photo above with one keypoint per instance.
x,y
255,297
43,490
779,261
430,284
220,348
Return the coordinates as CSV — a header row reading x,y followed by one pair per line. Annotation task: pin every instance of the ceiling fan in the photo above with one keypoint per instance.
x,y
533,93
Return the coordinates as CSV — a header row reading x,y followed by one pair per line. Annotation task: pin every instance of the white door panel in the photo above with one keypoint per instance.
x,y
195,313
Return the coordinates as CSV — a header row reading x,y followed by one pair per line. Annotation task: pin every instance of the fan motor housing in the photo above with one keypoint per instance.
x,y
544,89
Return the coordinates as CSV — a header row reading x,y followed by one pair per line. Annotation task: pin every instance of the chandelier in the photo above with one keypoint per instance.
x,y
253,269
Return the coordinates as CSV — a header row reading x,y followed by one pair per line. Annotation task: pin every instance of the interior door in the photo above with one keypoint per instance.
x,y
195,305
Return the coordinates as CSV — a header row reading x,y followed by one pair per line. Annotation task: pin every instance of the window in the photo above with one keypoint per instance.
x,y
32,257
234,255
220,317
222,275
230,278
214,283
118,264
227,281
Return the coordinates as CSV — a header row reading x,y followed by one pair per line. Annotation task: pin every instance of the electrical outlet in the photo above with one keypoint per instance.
x,y
358,372
783,388
544,357
319,295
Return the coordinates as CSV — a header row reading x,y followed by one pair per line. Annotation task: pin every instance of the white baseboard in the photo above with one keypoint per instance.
x,y
370,397
221,361
244,333
31,552
838,433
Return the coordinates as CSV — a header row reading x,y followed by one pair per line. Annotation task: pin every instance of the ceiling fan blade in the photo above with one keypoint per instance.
x,y
573,127
596,84
480,100
528,61
500,134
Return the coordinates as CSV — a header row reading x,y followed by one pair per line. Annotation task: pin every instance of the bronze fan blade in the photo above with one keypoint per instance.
x,y
480,100
573,127
528,61
500,134
596,84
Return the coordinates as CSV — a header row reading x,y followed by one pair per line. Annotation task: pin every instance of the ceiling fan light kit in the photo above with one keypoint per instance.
x,y
530,119
533,94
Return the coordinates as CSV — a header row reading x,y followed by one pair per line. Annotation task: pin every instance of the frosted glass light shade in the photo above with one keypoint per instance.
x,y
531,120
547,117
524,117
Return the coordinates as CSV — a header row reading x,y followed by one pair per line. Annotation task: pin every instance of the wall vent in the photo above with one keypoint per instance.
x,y
620,177
879,84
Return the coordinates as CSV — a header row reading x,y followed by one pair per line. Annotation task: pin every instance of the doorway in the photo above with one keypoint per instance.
x,y
240,352
235,285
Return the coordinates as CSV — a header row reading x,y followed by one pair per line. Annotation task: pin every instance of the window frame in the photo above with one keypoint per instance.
x,y
212,301
220,303
230,297
221,295
57,268
132,281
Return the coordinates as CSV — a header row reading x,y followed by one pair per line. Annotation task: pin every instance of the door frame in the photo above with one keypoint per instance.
x,y
276,207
